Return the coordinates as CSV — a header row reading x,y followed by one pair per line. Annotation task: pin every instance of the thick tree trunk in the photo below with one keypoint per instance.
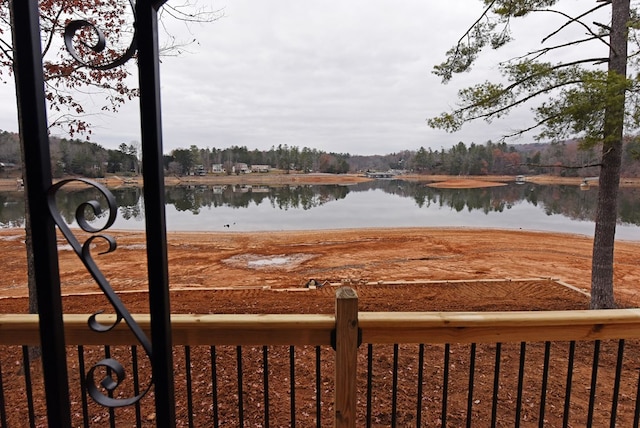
x,y
604,237
607,209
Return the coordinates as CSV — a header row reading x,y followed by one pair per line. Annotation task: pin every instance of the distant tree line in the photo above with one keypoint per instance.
x,y
284,157
76,157
568,158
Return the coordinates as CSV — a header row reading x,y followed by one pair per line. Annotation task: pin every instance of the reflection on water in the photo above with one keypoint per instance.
x,y
383,203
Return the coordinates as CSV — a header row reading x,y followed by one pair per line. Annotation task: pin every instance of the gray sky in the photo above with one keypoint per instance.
x,y
344,76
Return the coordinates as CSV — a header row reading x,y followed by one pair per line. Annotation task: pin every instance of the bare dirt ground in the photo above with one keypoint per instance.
x,y
276,260
248,273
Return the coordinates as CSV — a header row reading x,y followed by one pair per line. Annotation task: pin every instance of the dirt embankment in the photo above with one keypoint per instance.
x,y
316,178
274,179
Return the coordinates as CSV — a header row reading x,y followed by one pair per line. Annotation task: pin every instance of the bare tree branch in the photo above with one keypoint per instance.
x,y
175,47
198,16
472,26
576,20
603,26
533,55
6,50
52,32
530,128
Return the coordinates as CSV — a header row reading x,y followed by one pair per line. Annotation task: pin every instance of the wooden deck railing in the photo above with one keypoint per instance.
x,y
348,328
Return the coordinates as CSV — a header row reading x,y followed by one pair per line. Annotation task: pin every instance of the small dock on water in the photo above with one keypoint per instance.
x,y
377,174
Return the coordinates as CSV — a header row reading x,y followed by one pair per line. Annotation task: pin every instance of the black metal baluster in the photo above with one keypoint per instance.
x,y
545,378
472,368
496,385
214,385
636,413
28,386
420,380
136,383
112,414
265,381
567,394
83,387
240,398
187,370
394,387
292,384
3,409
594,383
318,389
445,385
33,129
523,350
154,200
616,386
369,382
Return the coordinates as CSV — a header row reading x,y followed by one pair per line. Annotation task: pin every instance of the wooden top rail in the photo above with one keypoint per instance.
x,y
377,327
493,327
218,329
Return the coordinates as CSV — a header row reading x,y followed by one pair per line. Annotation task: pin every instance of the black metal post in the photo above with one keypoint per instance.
x,y
154,200
34,138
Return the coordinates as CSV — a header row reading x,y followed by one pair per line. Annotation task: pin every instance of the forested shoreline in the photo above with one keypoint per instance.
x,y
568,159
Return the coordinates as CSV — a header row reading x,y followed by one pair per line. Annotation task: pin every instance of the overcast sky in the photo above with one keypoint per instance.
x,y
343,76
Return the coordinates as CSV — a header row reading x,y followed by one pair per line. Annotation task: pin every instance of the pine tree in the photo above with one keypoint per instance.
x,y
583,96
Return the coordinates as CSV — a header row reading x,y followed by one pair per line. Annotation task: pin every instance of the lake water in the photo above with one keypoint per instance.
x,y
382,203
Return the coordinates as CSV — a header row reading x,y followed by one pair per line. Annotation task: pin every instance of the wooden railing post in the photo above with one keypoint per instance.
x,y
346,346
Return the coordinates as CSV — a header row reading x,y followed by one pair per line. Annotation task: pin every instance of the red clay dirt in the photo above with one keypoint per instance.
x,y
275,260
269,273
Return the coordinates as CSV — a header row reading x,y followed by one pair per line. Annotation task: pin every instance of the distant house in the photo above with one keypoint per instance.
x,y
260,168
241,168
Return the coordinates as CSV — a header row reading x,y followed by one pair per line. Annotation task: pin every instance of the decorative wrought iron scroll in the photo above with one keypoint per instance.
x,y
96,44
83,251
89,38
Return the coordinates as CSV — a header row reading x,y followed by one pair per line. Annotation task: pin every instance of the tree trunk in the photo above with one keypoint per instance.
x,y
607,209
31,282
34,351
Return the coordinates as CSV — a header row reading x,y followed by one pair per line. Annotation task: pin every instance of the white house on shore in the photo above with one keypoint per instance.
x,y
260,168
217,168
240,168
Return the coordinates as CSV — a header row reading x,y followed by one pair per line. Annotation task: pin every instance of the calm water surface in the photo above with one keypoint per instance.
x,y
383,203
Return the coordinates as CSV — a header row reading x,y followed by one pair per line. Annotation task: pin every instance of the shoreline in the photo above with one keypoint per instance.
x,y
275,179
